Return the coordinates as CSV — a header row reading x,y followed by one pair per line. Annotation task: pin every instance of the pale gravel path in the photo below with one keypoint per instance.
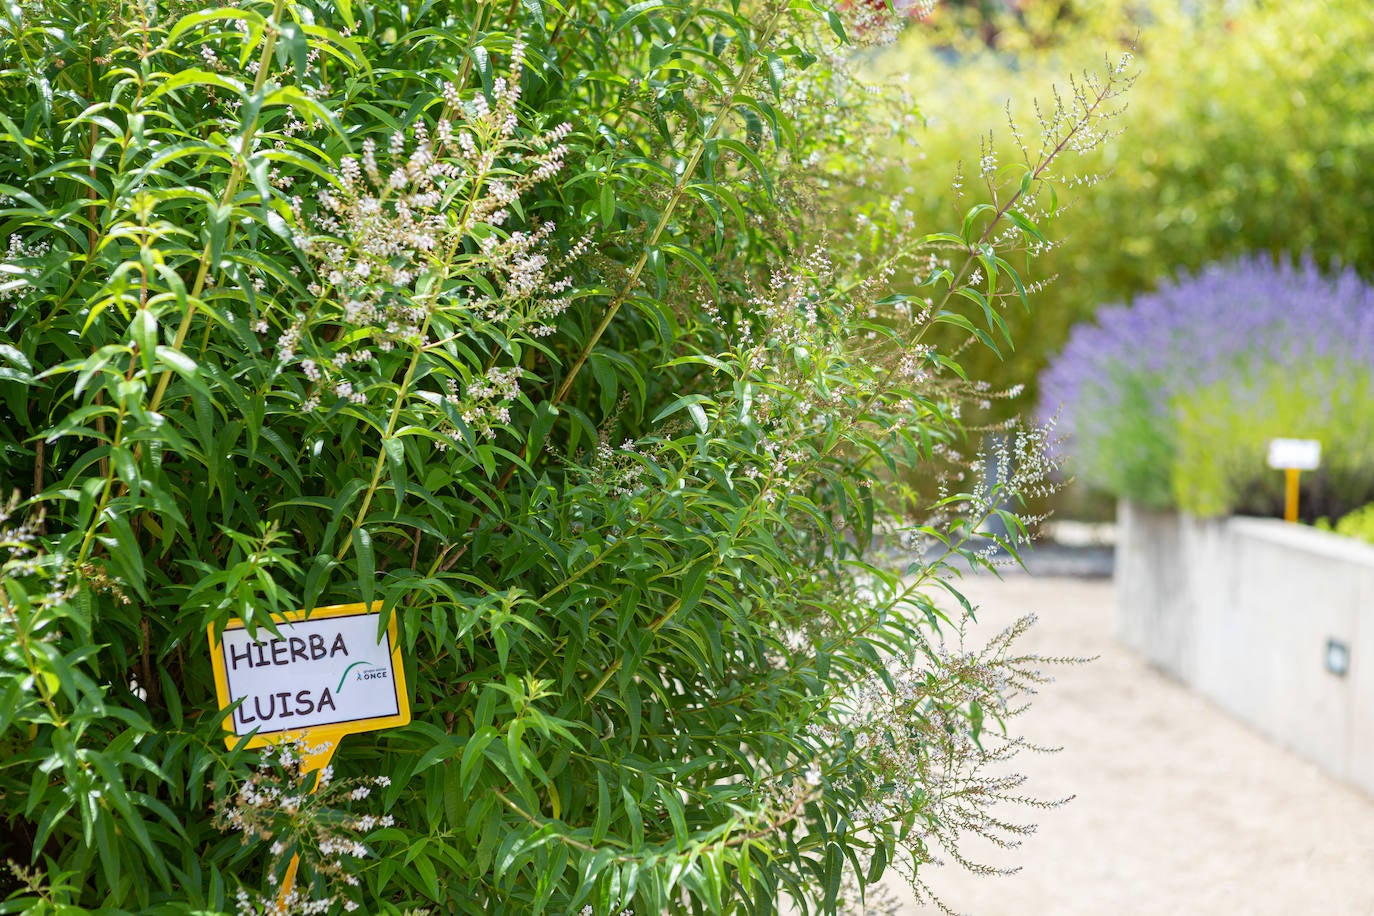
x,y
1180,808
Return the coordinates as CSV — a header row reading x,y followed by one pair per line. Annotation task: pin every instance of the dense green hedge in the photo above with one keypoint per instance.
x,y
520,320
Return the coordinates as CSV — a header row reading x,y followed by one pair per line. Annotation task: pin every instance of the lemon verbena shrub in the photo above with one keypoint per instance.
x,y
535,323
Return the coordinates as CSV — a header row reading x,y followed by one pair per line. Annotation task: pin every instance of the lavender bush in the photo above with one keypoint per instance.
x,y
1169,401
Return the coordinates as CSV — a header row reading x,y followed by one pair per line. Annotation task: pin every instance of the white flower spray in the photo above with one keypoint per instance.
x,y
410,248
273,806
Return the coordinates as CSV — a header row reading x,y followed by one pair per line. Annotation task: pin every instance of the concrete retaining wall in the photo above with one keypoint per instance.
x,y
1242,610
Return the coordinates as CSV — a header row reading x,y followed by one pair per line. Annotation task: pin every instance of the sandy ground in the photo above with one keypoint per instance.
x,y
1179,808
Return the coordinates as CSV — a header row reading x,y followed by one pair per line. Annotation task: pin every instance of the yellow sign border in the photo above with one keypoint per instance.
x,y
330,734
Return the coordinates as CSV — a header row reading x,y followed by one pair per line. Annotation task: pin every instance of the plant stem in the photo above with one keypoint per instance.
x,y
674,198
231,188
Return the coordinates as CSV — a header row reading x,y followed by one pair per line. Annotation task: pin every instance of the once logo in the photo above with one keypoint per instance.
x,y
362,671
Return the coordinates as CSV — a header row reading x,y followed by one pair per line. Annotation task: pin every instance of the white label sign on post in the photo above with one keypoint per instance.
x,y
1295,454
328,674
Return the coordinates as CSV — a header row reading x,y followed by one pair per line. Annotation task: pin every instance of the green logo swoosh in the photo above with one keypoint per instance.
x,y
345,674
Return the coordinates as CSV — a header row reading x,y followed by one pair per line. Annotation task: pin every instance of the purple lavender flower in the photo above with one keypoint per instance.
x,y
1118,379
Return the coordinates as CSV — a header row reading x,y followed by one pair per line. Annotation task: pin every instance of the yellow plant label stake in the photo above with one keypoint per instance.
x,y
1293,456
1290,494
325,675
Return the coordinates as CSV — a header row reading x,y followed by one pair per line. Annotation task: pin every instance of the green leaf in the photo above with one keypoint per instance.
x,y
195,20
16,358
474,753
691,257
633,12
681,403
482,61
185,367
143,333
197,77
367,564
607,203
394,449
877,865
971,221
534,10
777,74
699,417
217,227
1026,225
836,25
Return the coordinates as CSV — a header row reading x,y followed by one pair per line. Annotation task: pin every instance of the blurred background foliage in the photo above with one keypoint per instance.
x,y
1251,129
1214,166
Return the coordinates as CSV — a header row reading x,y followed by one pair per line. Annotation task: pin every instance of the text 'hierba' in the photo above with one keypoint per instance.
x,y
284,651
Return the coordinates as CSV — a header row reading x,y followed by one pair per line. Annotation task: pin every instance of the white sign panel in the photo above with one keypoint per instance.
x,y
1295,454
330,671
